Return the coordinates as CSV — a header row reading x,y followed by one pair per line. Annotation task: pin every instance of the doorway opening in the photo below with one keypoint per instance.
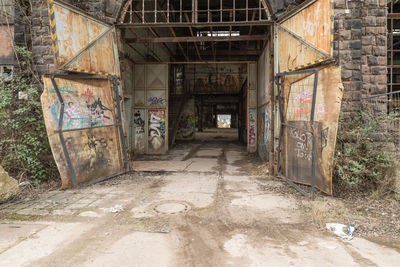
x,y
224,121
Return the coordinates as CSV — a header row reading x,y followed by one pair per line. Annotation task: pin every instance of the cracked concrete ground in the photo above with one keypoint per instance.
x,y
229,217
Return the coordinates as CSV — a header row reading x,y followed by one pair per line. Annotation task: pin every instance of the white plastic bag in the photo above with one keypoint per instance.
x,y
342,230
116,209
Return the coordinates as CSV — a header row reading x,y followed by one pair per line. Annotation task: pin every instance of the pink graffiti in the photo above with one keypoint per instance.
x,y
304,97
321,109
252,137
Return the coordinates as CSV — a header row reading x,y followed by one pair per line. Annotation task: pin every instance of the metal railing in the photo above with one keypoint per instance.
x,y
194,11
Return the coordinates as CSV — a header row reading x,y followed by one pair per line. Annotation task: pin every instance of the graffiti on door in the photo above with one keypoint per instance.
x,y
252,130
82,110
156,131
303,143
139,122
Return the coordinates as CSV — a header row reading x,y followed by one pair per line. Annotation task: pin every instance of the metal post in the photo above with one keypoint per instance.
x,y
143,11
314,100
281,120
220,10
155,11
247,10
180,11
121,129
167,11
192,11
234,10
314,151
208,11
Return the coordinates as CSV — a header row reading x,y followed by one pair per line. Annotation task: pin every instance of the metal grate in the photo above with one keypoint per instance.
x,y
300,99
194,12
385,108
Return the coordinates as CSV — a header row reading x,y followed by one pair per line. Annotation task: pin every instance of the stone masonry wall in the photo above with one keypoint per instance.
x,y
360,48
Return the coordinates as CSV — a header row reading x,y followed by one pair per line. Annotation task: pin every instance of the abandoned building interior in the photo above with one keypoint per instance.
x,y
148,75
177,124
186,68
175,71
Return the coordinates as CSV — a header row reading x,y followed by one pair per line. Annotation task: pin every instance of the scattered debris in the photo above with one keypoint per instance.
x,y
342,230
24,184
303,243
166,230
115,209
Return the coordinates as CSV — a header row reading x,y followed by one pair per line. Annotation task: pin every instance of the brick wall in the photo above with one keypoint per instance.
x,y
360,46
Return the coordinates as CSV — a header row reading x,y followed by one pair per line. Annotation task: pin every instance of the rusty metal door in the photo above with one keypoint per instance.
x,y
83,112
310,92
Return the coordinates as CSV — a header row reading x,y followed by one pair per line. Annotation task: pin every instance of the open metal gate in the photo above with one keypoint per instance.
x,y
310,91
83,111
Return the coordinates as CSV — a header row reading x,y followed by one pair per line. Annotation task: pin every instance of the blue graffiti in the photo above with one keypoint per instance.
x,y
156,100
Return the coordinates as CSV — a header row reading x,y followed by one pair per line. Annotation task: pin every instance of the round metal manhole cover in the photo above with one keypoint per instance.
x,y
171,208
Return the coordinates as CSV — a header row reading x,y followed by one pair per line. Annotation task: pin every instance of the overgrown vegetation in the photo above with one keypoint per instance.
x,y
364,159
24,148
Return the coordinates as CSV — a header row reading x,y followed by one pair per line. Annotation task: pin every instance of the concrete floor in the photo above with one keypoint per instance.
x,y
229,218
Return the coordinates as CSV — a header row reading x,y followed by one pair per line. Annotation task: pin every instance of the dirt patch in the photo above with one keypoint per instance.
x,y
377,219
28,192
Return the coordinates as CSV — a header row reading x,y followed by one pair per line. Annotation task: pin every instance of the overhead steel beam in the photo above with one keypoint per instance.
x,y
176,39
225,52
196,25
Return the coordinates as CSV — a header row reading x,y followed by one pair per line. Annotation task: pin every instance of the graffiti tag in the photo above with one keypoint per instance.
x,y
303,144
94,143
68,89
156,100
156,129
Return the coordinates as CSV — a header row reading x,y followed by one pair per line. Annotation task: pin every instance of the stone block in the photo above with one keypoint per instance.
x,y
345,34
381,40
378,70
355,44
369,21
356,33
353,23
340,4
372,60
368,40
382,61
8,186
379,51
356,54
346,74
